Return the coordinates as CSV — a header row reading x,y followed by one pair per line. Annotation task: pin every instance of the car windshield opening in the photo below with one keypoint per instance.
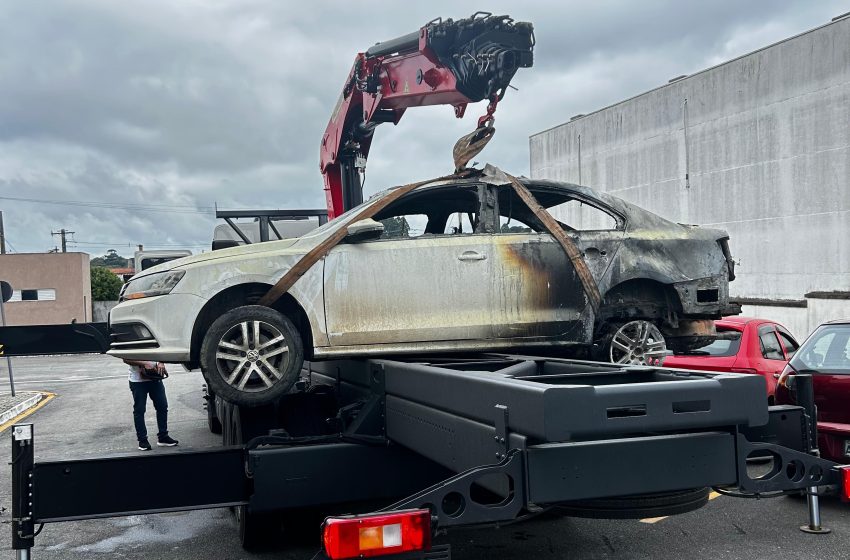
x,y
826,351
573,214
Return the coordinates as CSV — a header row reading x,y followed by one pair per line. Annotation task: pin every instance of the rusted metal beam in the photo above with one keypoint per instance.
x,y
574,254
307,261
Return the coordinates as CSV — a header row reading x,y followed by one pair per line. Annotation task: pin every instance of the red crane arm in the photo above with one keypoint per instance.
x,y
444,63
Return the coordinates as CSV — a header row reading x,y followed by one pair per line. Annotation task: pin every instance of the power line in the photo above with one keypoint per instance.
x,y
130,244
169,208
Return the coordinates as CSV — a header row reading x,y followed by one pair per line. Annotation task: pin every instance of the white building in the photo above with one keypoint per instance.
x,y
758,146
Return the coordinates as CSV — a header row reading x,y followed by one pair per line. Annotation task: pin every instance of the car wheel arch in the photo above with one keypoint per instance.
x,y
635,298
248,294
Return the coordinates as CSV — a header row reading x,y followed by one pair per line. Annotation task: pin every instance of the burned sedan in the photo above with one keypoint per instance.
x,y
453,266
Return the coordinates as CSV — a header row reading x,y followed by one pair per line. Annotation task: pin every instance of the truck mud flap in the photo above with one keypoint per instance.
x,y
573,471
94,488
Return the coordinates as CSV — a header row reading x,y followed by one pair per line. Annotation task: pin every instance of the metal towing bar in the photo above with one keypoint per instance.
x,y
485,439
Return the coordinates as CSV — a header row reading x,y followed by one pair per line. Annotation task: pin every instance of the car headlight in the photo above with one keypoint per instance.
x,y
152,285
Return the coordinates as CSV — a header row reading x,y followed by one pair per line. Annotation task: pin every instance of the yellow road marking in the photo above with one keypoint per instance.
x,y
650,520
44,400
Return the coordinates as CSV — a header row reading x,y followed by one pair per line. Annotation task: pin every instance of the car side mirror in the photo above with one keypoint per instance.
x,y
364,230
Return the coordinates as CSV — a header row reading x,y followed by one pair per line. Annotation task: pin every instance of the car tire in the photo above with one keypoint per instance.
x,y
252,355
638,507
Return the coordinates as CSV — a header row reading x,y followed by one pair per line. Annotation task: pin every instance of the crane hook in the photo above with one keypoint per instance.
x,y
470,145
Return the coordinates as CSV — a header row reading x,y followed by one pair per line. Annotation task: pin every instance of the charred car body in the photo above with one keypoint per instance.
x,y
454,266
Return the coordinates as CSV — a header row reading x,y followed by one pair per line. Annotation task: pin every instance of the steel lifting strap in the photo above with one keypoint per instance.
x,y
319,251
574,254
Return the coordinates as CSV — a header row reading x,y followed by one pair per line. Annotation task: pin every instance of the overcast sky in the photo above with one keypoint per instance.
x,y
183,105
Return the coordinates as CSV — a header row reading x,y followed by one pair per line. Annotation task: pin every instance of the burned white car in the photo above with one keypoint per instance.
x,y
454,266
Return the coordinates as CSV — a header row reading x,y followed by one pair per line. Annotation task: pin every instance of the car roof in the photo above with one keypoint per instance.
x,y
739,322
736,319
837,322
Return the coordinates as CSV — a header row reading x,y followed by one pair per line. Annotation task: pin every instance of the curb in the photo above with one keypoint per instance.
x,y
20,407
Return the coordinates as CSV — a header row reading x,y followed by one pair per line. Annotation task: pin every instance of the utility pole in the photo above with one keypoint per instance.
x,y
62,233
2,236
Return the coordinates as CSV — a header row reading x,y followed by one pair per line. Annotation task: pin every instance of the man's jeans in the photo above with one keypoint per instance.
x,y
156,390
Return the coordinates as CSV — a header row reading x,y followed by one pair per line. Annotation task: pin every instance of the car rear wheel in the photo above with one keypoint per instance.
x,y
636,342
252,355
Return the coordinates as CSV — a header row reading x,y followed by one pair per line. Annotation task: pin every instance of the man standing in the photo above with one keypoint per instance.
x,y
142,386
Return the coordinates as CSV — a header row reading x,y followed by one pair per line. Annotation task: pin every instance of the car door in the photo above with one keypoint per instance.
x,y
772,356
832,379
537,290
424,283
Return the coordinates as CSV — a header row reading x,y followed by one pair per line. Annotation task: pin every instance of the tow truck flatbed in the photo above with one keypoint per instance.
x,y
475,439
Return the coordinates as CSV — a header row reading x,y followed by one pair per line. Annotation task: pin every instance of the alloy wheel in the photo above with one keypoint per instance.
x,y
638,342
252,356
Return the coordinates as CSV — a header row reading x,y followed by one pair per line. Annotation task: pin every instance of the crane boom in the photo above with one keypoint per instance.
x,y
446,62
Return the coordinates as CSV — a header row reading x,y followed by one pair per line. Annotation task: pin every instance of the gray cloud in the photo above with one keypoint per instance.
x,y
190,103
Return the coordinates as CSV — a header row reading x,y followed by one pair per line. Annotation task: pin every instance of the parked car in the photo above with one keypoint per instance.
x,y
455,266
826,356
745,345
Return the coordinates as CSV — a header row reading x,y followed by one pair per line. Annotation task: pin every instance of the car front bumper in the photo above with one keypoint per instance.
x,y
134,338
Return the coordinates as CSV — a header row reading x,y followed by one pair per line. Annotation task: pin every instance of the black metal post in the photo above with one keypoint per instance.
x,y
23,536
806,398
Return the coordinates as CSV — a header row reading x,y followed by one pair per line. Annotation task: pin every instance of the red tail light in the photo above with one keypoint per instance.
x,y
377,534
845,483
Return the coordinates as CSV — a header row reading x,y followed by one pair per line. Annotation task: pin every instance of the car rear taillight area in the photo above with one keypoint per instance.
x,y
845,482
366,536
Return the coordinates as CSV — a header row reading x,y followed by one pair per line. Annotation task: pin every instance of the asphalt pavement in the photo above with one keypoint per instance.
x,y
91,417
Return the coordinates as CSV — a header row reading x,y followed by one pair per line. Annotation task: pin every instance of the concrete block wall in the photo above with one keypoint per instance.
x,y
758,146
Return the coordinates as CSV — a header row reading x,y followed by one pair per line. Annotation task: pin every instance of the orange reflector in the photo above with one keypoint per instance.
x,y
845,483
377,534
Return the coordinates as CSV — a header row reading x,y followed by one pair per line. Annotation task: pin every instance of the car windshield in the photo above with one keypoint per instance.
x,y
720,347
827,351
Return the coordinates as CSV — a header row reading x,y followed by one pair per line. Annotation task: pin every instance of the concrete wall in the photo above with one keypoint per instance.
x,y
758,146
795,319
101,309
802,320
66,274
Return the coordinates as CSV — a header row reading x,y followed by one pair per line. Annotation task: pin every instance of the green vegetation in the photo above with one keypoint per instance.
x,y
104,284
110,260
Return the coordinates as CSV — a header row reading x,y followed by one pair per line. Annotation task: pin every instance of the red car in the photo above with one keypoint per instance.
x,y
755,346
826,356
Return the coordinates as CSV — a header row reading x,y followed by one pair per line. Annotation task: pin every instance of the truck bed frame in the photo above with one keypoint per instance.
x,y
476,439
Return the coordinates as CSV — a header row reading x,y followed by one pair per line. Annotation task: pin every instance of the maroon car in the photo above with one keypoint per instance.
x,y
826,356
755,346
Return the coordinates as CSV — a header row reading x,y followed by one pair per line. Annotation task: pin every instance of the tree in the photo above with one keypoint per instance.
x,y
110,260
396,226
104,285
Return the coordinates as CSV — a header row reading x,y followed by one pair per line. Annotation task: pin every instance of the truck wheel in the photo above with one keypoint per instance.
x,y
252,355
256,531
213,423
636,342
638,507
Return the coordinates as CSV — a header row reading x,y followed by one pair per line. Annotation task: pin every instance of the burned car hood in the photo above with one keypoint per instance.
x,y
240,251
